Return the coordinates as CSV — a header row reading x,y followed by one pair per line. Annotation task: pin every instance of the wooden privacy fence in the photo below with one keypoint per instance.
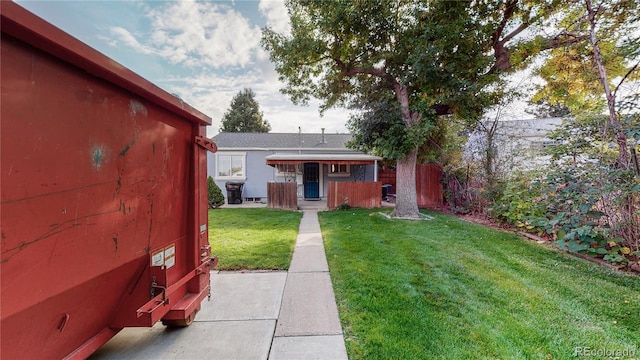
x,y
428,185
387,176
282,195
356,194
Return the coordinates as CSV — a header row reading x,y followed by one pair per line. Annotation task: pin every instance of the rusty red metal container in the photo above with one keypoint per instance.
x,y
103,197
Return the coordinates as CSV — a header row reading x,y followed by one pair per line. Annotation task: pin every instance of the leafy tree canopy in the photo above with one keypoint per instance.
x,y
586,77
244,115
571,73
403,63
571,78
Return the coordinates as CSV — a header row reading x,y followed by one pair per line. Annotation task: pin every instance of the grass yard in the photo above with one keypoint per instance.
x,y
448,289
252,239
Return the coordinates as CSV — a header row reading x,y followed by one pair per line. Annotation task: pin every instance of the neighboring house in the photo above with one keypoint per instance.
x,y
310,160
519,143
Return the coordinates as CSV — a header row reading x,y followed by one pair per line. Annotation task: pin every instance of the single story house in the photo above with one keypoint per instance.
x,y
310,160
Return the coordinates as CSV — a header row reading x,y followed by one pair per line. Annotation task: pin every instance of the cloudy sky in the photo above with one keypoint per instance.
x,y
205,52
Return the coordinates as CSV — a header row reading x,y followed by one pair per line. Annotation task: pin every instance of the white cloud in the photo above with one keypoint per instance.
x,y
197,34
213,42
205,52
129,40
276,14
212,93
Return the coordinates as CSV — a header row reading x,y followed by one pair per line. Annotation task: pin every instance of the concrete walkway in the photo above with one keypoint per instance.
x,y
254,315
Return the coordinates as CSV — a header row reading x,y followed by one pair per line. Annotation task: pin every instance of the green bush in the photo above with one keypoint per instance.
x,y
568,205
519,200
345,205
216,199
585,199
571,196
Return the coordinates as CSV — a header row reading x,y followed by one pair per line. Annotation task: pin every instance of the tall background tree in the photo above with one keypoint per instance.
x,y
597,152
244,115
586,77
406,63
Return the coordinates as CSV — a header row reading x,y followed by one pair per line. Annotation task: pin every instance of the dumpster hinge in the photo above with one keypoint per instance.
x,y
206,143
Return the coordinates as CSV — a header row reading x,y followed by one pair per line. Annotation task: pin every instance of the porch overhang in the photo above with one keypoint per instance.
x,y
349,159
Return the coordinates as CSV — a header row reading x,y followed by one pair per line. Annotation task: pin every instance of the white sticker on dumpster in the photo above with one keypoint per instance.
x,y
170,256
157,259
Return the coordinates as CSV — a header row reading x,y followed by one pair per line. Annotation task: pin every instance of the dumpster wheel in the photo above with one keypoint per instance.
x,y
176,323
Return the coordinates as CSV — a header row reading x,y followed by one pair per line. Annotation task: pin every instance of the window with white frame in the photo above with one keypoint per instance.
x,y
339,170
230,166
287,169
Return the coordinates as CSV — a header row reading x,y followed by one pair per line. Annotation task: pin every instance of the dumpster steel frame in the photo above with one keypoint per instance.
x,y
88,149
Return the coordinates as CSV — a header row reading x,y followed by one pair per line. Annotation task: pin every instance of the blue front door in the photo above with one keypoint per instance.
x,y
311,178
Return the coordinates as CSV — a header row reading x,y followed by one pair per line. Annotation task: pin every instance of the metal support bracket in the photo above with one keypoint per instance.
x,y
206,143
155,303
165,292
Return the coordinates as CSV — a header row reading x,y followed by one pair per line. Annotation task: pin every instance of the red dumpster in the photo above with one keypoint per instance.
x,y
103,197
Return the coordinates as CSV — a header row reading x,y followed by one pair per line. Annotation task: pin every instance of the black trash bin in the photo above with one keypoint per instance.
x,y
234,192
387,192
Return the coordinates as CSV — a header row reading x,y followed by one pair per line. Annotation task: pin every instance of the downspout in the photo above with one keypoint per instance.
x,y
375,171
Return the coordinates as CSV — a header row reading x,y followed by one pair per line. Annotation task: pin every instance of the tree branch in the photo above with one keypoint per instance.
x,y
615,92
503,53
508,13
351,71
515,32
564,39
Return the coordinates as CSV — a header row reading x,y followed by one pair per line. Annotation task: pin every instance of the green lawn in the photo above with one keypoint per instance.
x,y
448,289
250,239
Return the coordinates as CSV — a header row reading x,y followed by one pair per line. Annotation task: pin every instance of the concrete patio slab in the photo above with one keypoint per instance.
x,y
202,340
308,306
308,347
308,259
244,296
312,205
248,309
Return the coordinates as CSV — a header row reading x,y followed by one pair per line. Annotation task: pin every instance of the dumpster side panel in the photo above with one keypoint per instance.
x,y
94,180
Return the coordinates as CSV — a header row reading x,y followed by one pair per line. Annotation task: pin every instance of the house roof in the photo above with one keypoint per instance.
x,y
352,159
280,141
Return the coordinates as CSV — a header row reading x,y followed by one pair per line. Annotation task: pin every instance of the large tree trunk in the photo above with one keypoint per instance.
x,y
406,197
